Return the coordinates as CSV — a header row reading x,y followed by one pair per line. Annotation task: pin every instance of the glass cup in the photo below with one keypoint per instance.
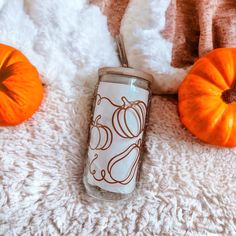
x,y
119,118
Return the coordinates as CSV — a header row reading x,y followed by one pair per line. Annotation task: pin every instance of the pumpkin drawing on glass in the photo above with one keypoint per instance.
x,y
101,135
128,119
21,91
111,174
128,122
129,158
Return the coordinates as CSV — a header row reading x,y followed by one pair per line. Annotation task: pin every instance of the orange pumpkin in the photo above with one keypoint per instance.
x,y
21,90
207,98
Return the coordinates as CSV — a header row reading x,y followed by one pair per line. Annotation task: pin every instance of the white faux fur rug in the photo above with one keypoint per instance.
x,y
187,187
142,27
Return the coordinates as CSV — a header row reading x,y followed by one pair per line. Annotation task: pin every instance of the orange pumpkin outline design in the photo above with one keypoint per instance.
x,y
119,157
138,109
113,161
108,135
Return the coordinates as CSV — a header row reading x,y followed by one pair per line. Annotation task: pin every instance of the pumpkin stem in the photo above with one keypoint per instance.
x,y
139,142
125,101
229,95
2,78
97,119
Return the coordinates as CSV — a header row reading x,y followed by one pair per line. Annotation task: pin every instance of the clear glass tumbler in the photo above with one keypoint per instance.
x,y
120,112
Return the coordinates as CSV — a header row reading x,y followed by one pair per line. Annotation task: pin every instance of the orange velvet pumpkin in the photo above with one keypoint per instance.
x,y
207,98
21,90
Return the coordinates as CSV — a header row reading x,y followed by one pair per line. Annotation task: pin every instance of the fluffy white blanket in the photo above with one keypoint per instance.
x,y
147,49
187,187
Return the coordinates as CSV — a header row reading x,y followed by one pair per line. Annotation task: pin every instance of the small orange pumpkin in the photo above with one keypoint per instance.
x,y
207,98
21,90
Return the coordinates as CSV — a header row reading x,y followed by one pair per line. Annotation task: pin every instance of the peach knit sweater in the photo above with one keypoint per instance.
x,y
194,26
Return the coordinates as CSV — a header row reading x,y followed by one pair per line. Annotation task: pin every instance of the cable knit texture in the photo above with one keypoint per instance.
x,y
187,187
201,26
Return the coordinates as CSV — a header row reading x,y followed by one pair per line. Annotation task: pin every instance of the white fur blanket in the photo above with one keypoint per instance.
x,y
187,187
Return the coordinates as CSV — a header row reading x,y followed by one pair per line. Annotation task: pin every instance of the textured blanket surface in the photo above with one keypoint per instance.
x,y
187,187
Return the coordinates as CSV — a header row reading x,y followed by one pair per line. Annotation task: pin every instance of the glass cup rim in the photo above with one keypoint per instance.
x,y
125,71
